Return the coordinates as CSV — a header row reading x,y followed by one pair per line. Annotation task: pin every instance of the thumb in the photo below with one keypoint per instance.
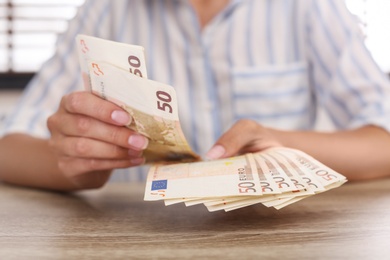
x,y
240,135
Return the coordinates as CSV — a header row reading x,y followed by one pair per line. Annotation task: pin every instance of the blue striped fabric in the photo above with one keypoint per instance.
x,y
273,61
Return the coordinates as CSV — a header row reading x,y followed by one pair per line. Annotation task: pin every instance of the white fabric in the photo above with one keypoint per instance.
x,y
274,61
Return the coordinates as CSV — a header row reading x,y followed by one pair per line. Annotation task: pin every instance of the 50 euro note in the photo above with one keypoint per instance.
x,y
125,56
236,176
152,106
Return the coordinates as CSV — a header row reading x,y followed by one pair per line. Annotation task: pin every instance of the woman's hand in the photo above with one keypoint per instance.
x,y
89,139
245,136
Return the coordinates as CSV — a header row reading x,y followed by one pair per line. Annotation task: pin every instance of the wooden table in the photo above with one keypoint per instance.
x,y
350,222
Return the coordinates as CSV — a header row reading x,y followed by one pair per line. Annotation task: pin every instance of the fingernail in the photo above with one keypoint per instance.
x,y
138,141
216,152
121,117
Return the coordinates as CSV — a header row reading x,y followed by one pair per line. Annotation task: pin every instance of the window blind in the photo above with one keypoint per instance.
x,y
28,31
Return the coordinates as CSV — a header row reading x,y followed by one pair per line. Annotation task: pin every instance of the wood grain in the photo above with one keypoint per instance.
x,y
350,222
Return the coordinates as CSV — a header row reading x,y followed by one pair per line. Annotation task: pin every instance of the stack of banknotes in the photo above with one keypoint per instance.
x,y
275,177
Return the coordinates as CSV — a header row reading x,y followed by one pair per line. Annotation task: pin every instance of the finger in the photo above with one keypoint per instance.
x,y
243,136
80,125
90,148
88,104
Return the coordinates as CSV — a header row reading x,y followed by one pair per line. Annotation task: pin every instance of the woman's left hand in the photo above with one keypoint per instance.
x,y
245,136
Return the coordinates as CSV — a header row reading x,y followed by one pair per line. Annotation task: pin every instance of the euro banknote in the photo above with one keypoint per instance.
x,y
234,176
152,106
125,56
276,177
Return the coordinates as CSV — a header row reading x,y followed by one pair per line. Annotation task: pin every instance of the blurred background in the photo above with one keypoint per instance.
x,y
28,32
29,28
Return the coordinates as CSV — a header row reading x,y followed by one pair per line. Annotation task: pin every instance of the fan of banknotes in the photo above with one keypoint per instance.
x,y
276,177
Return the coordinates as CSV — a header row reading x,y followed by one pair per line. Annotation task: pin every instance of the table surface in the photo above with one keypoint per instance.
x,y
350,222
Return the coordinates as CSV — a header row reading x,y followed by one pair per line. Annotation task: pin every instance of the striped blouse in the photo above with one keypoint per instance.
x,y
273,61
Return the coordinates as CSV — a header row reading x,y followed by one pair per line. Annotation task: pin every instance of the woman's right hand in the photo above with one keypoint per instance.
x,y
89,139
